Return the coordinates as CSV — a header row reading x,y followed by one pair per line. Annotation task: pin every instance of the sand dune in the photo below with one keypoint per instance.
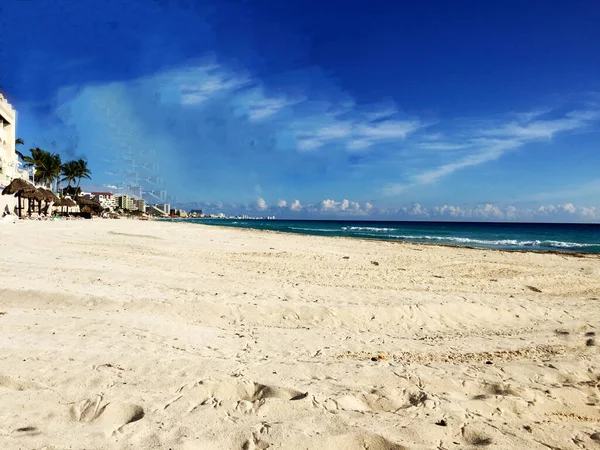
x,y
130,334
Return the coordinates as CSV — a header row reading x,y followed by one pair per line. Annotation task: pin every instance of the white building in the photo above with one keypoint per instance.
x,y
139,204
9,162
106,199
165,207
125,202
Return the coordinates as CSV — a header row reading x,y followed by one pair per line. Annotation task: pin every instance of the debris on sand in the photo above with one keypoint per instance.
x,y
533,288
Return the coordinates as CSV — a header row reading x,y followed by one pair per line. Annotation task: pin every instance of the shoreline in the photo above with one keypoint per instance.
x,y
398,241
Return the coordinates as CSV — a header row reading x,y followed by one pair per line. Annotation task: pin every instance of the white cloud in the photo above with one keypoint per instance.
x,y
308,145
442,146
261,204
448,210
381,114
337,130
491,150
418,210
359,144
281,203
266,107
198,84
329,205
489,211
342,207
296,205
511,213
477,144
389,129
357,134
588,212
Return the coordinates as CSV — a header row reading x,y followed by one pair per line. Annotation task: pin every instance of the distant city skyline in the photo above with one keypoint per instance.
x,y
358,110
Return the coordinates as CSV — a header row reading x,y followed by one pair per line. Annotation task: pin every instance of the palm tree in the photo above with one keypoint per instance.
x,y
83,171
47,165
75,170
19,141
69,172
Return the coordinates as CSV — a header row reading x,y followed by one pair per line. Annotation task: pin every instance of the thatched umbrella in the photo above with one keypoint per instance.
x,y
30,195
18,187
62,202
49,197
87,205
93,204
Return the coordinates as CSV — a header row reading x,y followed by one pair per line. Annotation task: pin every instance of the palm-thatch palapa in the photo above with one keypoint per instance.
x,y
18,187
49,195
92,204
62,202
35,195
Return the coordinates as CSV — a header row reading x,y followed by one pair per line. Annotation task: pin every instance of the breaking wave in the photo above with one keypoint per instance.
x,y
376,229
495,243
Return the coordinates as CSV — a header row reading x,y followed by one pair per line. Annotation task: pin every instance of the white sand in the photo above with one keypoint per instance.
x,y
130,334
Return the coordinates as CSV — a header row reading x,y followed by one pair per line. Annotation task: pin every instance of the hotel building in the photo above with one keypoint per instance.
x,y
9,162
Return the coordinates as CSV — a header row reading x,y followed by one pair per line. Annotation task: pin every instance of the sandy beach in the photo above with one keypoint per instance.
x,y
143,335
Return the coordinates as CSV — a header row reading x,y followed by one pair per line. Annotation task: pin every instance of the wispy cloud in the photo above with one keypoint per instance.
x,y
477,143
544,129
267,106
199,84
359,134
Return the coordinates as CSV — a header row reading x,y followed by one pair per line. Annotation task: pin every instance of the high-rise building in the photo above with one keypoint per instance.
x,y
139,204
106,199
9,161
125,202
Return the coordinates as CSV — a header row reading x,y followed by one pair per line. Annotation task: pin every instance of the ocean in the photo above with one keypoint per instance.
x,y
507,236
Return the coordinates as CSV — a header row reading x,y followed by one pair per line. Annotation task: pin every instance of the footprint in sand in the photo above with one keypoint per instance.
x,y
27,431
382,400
242,396
355,441
474,436
14,385
111,417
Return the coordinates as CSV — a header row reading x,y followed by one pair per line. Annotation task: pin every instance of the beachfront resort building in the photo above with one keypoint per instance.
x,y
139,204
106,199
9,161
165,207
124,202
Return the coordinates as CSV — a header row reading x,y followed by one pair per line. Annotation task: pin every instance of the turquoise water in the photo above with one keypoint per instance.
x,y
509,236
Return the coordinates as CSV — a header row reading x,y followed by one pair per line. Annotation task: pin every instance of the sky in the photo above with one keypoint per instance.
x,y
370,110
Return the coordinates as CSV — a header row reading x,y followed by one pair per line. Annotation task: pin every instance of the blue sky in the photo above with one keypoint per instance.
x,y
458,110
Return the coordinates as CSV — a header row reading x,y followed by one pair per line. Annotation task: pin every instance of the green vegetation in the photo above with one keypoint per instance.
x,y
49,169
